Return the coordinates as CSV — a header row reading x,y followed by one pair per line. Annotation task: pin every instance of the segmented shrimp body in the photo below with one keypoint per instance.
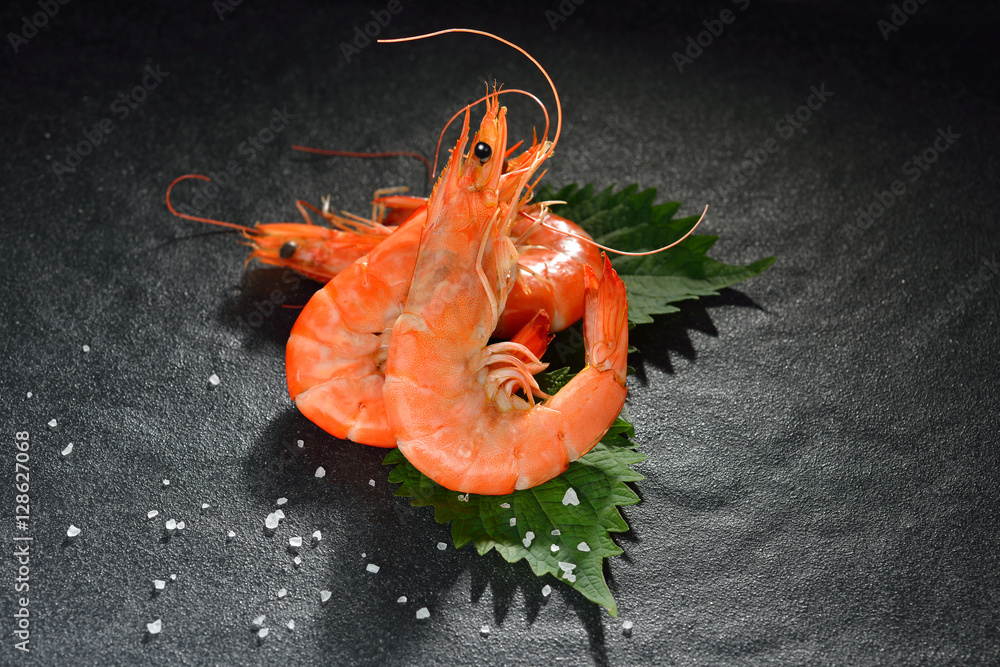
x,y
451,399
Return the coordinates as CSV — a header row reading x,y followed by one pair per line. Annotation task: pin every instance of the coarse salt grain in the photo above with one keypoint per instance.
x,y
262,633
324,596
291,624
180,525
485,630
554,548
282,592
230,535
154,627
627,628
152,514
66,452
556,532
570,498
205,506
280,514
300,443
173,577
294,542
53,423
566,567
281,501
569,576
317,536
373,568
423,612
527,539
170,525
297,560
271,522
159,584
546,590
166,482
214,380
86,348
371,482
506,506
583,546
513,521
321,472
259,621
72,531
401,599
442,546
29,394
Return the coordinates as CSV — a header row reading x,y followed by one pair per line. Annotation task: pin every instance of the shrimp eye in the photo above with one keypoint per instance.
x,y
287,250
482,151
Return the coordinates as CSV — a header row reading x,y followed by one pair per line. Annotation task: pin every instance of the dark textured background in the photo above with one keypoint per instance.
x,y
821,482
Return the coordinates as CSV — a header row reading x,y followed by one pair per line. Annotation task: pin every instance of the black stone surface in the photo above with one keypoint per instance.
x,y
823,450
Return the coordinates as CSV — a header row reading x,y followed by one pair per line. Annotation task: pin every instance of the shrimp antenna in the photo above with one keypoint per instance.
x,y
555,140
437,150
613,250
170,206
418,156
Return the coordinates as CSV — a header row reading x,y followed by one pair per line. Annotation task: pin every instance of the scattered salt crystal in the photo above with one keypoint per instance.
x,y
204,506
371,482
554,548
259,621
297,560
282,592
86,348
401,599
373,568
213,380
230,535
29,394
320,472
66,452
152,514
262,633
300,443
159,584
513,521
324,596
317,536
527,538
484,631
170,525
271,522
506,506
281,501
627,628
154,627
294,543
173,577
72,531
180,525
363,554
53,423
442,546
556,532
280,514
291,624
569,576
570,497
567,567
546,590
166,482
423,612
583,546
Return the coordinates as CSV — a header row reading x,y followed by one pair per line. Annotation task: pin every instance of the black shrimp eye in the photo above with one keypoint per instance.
x,y
287,250
482,151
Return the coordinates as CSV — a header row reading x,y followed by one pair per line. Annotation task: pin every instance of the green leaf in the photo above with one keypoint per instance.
x,y
628,220
598,480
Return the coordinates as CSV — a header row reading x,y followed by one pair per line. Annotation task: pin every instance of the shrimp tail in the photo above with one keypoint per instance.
x,y
605,324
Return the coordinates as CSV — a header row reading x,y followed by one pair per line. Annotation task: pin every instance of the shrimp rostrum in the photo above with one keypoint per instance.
x,y
464,412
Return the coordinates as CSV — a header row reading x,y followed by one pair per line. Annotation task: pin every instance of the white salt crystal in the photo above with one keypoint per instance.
x,y
506,506
170,525
29,394
213,380
166,482
442,546
281,501
513,521
546,590
317,536
320,472
373,568
567,567
152,514
159,584
280,514
294,543
570,497
297,561
205,506
300,443
554,548
271,522
583,546
527,539
53,423
154,627
556,532
423,612
484,631
569,576
262,633
371,482
291,624
66,452
86,348
230,535
282,592
180,525
324,596
259,621
627,628
401,599
72,531
173,577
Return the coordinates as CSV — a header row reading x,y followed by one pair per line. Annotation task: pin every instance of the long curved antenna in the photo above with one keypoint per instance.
x,y
555,140
324,151
170,206
437,150
541,221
